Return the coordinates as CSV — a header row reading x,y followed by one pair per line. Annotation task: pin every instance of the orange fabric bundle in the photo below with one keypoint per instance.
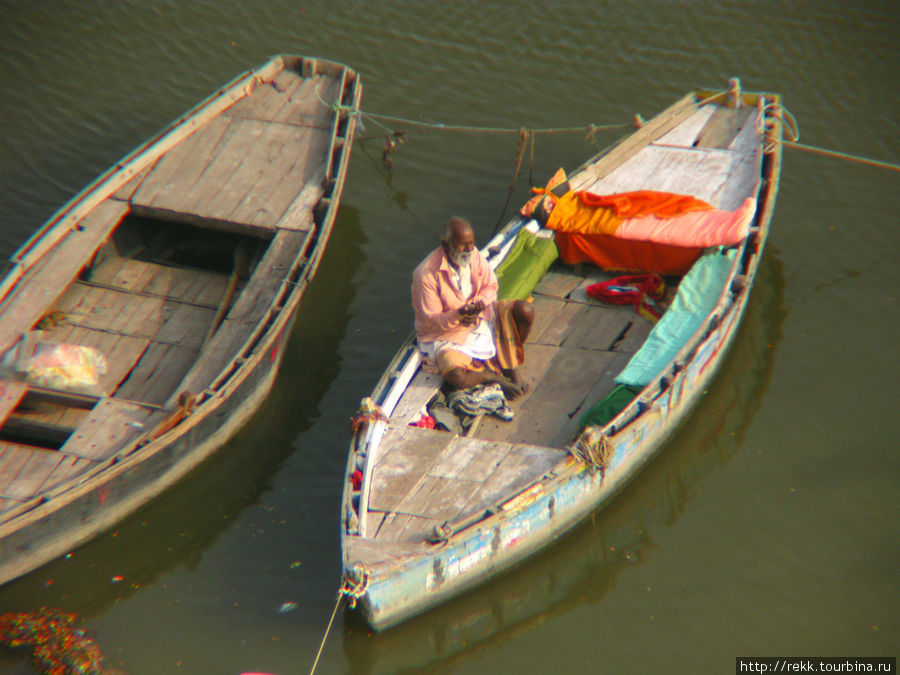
x,y
645,203
612,253
586,213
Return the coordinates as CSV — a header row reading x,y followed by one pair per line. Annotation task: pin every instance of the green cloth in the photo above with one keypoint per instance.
x,y
524,266
615,402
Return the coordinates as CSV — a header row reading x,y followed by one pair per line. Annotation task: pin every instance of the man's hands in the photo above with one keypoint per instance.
x,y
468,313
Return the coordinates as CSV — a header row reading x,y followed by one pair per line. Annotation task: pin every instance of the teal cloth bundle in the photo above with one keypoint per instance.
x,y
697,295
524,266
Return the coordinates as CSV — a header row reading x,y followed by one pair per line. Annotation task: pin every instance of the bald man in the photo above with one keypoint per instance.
x,y
460,325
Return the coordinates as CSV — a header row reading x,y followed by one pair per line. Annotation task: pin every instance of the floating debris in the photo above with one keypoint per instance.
x,y
57,647
287,607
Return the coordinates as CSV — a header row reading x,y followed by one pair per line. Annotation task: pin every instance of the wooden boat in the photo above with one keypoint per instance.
x,y
142,325
428,514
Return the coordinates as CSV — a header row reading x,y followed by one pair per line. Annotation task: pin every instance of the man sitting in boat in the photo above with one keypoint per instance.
x,y
461,326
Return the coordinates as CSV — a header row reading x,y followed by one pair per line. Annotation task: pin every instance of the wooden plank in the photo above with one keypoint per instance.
x,y
635,336
633,174
405,528
11,392
546,309
306,107
108,428
598,328
556,331
560,379
266,100
601,165
299,215
419,391
744,177
748,139
13,457
180,168
292,110
123,273
374,520
262,167
408,453
558,282
187,325
685,134
280,179
470,459
522,466
38,467
201,197
281,193
438,498
723,126
31,297
8,504
156,375
251,306
69,467
125,192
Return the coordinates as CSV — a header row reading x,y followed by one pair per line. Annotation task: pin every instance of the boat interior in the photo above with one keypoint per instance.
x,y
425,479
158,278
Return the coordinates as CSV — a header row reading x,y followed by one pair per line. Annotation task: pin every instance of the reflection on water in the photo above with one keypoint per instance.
x,y
179,526
585,565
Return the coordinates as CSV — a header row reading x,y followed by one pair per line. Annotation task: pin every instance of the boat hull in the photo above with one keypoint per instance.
x,y
53,523
405,582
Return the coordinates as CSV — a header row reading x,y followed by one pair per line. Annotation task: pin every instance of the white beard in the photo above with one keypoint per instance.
x,y
461,259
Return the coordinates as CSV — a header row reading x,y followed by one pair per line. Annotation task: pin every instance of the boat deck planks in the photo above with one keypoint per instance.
x,y
27,304
685,135
11,392
248,165
26,469
284,251
428,477
108,427
417,394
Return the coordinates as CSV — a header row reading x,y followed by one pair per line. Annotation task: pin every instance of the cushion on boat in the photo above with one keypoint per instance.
x,y
696,297
521,270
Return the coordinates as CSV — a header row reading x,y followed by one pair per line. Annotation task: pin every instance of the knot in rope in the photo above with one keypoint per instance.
x,y
355,583
593,448
369,411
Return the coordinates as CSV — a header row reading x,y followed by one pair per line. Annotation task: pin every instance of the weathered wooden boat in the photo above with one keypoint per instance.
x,y
428,514
142,325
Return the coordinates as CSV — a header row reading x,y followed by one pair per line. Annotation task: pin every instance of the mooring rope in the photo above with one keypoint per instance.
x,y
842,155
791,128
340,597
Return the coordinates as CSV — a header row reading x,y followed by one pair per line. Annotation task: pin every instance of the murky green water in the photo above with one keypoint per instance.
x,y
769,526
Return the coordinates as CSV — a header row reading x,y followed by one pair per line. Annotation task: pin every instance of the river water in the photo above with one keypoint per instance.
x,y
768,526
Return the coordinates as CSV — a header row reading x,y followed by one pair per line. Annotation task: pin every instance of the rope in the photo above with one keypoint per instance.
x,y
340,597
525,136
594,449
842,155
